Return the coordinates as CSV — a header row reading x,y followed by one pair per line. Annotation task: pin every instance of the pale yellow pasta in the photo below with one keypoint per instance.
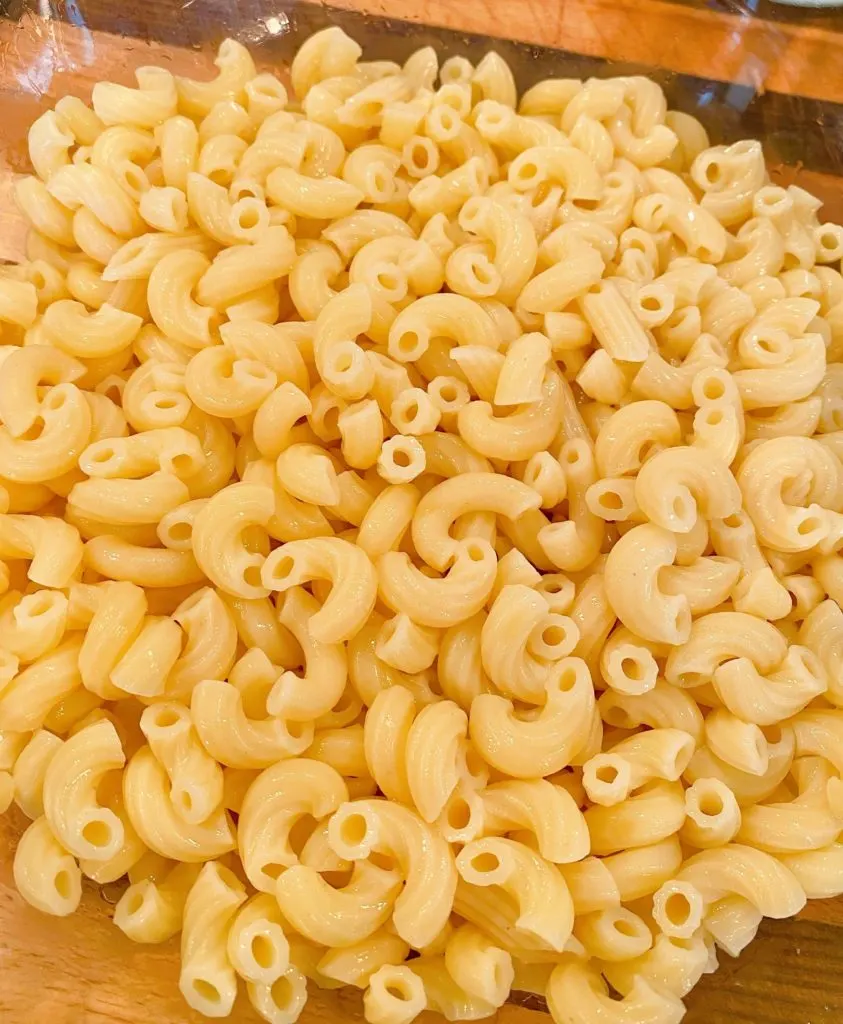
x,y
325,671
424,509
395,995
537,806
46,875
152,909
83,827
533,883
146,790
29,770
207,980
274,802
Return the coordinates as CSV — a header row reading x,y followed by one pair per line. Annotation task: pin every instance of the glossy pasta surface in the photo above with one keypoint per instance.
x,y
421,515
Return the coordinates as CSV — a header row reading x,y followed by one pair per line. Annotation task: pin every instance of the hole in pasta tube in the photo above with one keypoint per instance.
x,y
420,157
554,636
245,190
398,990
134,903
222,176
606,773
97,833
566,679
247,217
527,174
401,458
475,767
283,568
710,803
625,927
206,990
134,179
714,417
263,951
677,909
63,885
296,730
772,734
282,992
180,532
185,800
388,280
808,526
713,172
633,669
252,576
166,718
39,604
485,863
611,501
459,814
475,552
55,400
353,829
409,345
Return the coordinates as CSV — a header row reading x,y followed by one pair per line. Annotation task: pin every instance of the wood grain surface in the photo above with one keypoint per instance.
x,y
777,76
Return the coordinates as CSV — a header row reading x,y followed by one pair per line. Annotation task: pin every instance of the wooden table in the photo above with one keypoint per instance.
x,y
749,70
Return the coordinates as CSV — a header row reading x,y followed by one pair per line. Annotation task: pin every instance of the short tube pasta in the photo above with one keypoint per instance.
x,y
421,514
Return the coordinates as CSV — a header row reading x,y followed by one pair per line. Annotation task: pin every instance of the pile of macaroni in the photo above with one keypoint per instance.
x,y
421,527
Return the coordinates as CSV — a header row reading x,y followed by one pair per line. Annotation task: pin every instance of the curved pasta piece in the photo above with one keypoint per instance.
x,y
721,637
82,826
348,569
274,802
432,752
776,696
338,917
545,908
540,807
305,698
646,817
441,602
540,744
740,870
425,860
67,426
443,504
765,478
218,541
633,585
146,791
518,435
456,317
45,874
679,484
235,739
576,994
207,979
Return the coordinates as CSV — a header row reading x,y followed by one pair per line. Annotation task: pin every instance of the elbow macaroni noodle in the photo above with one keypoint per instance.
x,y
421,517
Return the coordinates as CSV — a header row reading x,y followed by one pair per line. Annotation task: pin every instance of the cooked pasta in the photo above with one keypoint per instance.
x,y
421,521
